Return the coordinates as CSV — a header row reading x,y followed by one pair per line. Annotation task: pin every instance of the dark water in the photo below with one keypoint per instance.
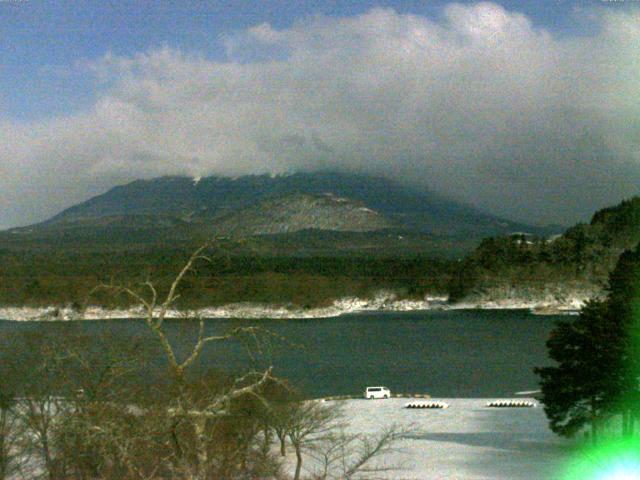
x,y
455,353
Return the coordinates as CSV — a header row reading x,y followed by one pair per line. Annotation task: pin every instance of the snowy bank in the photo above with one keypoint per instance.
x,y
343,306
547,299
467,441
381,303
538,306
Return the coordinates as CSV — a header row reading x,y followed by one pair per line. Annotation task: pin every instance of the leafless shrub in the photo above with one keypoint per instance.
x,y
12,460
344,455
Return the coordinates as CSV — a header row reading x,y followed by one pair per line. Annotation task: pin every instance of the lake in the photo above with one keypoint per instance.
x,y
446,353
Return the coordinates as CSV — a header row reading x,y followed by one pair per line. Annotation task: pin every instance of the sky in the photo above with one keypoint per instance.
x,y
526,109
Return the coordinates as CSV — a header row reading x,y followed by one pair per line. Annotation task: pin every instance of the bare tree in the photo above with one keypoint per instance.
x,y
318,431
309,423
195,414
39,413
100,387
343,455
11,456
40,407
65,388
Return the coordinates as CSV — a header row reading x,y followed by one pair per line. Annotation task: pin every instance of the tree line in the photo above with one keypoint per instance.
x,y
62,277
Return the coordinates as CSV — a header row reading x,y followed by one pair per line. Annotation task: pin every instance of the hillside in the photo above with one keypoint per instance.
x,y
525,269
295,212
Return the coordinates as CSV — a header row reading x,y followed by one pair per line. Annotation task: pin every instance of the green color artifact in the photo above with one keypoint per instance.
x,y
614,460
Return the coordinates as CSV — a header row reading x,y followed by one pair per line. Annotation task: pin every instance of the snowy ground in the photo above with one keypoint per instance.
x,y
381,303
466,441
339,307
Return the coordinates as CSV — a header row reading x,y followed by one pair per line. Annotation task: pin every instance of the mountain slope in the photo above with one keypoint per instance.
x,y
296,212
211,199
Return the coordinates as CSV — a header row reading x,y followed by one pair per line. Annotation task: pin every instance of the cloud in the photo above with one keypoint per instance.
x,y
478,103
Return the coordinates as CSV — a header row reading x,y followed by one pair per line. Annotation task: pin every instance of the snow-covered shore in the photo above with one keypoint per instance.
x,y
381,303
538,306
467,441
545,300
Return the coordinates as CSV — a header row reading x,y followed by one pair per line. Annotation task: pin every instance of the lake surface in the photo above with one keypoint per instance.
x,y
447,353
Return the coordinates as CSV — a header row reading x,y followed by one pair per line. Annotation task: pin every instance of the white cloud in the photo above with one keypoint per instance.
x,y
479,104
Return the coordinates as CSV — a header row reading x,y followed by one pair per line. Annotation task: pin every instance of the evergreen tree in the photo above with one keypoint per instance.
x,y
624,307
598,358
579,390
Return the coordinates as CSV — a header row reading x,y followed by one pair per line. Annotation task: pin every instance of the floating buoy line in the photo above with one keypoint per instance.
x,y
426,405
435,404
511,404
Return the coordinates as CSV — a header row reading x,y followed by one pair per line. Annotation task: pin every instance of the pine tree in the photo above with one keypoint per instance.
x,y
624,307
598,358
577,392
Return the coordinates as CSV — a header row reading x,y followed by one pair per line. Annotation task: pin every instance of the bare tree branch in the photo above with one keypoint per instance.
x,y
171,296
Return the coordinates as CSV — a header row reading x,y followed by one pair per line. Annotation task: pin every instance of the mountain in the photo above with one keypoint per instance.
x,y
575,265
264,204
313,238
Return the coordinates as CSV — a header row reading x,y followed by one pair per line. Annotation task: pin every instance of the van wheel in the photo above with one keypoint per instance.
x,y
371,397
386,396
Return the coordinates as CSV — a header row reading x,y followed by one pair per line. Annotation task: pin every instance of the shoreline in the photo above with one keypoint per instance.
x,y
345,306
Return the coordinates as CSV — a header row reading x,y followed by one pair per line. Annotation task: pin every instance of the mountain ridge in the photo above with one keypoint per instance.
x,y
206,201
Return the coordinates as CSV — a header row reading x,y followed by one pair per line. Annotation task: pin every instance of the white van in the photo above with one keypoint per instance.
x,y
377,392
